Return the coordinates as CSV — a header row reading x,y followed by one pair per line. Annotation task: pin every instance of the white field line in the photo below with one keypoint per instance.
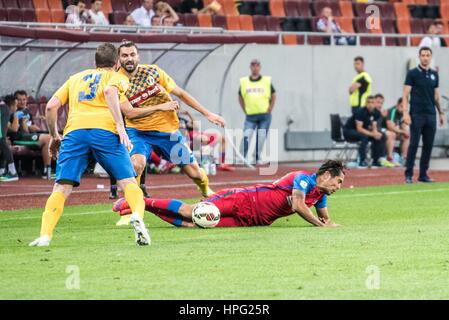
x,y
372,194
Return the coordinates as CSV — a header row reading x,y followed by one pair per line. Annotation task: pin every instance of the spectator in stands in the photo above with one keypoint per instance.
x,y
256,97
96,15
362,127
360,87
129,21
398,130
142,16
168,16
77,14
197,7
326,23
8,170
432,40
28,131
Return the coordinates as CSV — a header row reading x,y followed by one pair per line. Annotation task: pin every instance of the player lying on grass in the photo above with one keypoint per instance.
x,y
262,204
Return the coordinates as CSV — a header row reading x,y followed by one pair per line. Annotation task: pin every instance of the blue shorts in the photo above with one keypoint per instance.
x,y
80,145
173,146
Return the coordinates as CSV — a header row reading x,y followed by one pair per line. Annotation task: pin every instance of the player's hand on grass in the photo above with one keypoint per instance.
x,y
124,139
216,119
55,144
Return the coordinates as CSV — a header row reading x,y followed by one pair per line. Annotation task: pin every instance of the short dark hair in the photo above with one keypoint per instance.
x,y
106,55
399,101
335,168
20,92
82,1
127,44
9,99
359,58
370,98
379,95
425,49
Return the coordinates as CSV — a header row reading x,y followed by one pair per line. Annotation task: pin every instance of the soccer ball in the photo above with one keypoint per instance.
x,y
205,215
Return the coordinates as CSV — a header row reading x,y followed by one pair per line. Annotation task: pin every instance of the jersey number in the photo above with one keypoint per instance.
x,y
93,86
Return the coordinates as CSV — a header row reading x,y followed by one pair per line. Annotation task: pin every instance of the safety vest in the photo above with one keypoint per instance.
x,y
358,97
256,94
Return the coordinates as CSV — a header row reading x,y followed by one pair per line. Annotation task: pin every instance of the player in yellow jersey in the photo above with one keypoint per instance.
x,y
150,85
95,129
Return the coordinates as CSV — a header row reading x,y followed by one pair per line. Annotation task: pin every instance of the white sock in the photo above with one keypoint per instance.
x,y
12,168
2,171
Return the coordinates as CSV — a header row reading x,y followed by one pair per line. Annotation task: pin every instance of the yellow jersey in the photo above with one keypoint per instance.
x,y
84,92
148,87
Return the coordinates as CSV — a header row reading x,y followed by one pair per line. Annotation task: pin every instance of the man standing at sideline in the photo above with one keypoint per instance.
x,y
256,97
422,84
360,88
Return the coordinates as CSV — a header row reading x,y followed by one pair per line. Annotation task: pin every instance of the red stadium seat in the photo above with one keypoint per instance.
x,y
57,16
133,5
277,8
118,17
273,23
246,22
107,7
191,20
204,20
119,5
346,8
29,15
232,23
360,27
14,14
260,23
43,15
386,10
346,24
219,22
3,15
55,5
26,4
10,4
40,4
291,8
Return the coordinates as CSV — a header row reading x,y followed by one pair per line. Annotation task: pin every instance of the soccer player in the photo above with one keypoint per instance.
x,y
94,128
150,85
260,205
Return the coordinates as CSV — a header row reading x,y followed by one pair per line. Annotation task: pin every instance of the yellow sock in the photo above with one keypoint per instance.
x,y
52,213
134,197
203,183
138,179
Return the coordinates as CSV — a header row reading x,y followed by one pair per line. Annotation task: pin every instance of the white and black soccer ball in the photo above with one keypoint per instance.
x,y
205,215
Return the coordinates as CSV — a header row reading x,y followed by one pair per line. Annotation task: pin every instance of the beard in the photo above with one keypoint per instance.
x,y
129,67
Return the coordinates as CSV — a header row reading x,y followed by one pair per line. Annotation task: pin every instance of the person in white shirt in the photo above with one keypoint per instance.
x,y
142,16
432,40
96,15
76,14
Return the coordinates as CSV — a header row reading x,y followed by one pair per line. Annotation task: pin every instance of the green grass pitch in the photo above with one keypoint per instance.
x,y
393,245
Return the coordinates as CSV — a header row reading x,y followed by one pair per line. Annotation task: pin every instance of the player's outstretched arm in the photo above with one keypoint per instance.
x,y
188,99
136,113
51,116
299,206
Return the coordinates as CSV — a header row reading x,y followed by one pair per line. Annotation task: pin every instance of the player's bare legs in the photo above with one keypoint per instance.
x,y
52,213
199,176
391,139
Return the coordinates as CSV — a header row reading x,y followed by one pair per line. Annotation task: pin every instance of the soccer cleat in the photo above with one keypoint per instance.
x,y
9,177
226,167
124,221
118,205
362,164
408,180
43,241
206,194
386,164
141,232
425,179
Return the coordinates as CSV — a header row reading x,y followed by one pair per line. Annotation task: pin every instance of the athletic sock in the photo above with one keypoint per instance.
x,y
2,171
166,209
223,158
12,168
155,158
52,213
203,183
134,196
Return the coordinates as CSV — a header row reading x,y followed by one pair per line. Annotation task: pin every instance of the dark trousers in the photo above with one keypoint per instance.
x,y
425,125
5,151
354,110
377,146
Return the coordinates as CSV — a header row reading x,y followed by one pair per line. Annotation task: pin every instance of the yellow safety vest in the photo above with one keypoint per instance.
x,y
358,97
256,94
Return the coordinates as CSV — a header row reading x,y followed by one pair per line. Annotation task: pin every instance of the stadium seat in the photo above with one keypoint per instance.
x,y
304,24
346,24
40,4
246,23
360,27
25,4
403,26
444,11
204,20
191,20
320,4
304,9
14,14
57,16
107,7
416,26
233,22
43,15
229,8
289,24
261,8
401,10
317,40
360,9
386,10
118,5
273,23
29,15
219,21
10,4
292,39
247,7
133,5
118,17
346,8
55,5
291,9
3,15
260,23
277,8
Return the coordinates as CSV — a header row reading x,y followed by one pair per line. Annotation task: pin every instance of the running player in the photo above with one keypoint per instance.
x,y
94,128
150,85
260,205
